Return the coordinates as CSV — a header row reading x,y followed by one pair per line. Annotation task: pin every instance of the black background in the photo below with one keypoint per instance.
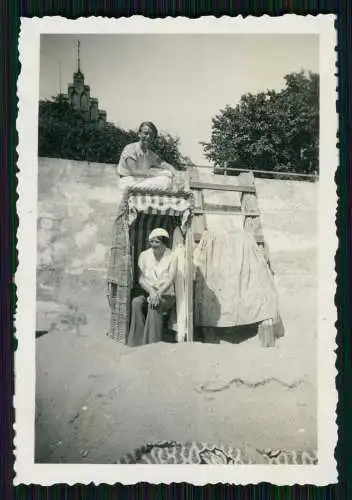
x,y
11,11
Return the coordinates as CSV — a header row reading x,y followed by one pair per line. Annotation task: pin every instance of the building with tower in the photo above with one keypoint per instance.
x,y
79,95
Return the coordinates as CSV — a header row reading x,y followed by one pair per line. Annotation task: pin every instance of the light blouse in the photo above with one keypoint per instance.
x,y
157,272
143,159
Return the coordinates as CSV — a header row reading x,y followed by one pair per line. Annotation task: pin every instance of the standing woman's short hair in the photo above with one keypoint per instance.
x,y
151,126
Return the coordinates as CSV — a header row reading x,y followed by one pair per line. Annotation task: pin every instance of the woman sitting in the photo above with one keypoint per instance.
x,y
139,165
158,268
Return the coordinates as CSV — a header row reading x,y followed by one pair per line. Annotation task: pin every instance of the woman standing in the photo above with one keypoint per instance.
x,y
139,165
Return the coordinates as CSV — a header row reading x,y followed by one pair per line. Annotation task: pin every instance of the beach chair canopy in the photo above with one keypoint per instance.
x,y
167,203
141,211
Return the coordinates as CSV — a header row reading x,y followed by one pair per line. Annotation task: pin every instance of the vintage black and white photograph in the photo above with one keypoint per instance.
x,y
179,273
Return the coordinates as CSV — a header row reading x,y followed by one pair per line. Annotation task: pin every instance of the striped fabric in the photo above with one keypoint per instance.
x,y
160,204
155,204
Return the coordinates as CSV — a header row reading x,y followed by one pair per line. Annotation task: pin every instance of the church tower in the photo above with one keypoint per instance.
x,y
79,95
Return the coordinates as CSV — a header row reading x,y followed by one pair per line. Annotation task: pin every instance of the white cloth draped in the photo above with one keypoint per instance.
x,y
157,182
180,320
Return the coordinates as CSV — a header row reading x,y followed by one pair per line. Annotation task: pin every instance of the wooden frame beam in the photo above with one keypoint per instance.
x,y
221,187
220,211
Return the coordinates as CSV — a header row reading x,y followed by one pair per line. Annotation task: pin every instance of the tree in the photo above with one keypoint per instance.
x,y
274,131
66,133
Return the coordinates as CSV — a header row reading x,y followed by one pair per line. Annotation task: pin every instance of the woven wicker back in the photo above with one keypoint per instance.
x,y
120,279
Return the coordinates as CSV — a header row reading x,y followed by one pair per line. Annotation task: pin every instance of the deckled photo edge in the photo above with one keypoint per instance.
x,y
28,472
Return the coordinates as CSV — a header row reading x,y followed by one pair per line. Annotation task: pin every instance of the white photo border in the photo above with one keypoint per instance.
x,y
29,472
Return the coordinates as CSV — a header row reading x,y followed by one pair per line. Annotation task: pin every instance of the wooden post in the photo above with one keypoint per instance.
x,y
189,283
249,203
199,222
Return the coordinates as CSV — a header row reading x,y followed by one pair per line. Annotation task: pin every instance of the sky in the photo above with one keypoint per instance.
x,y
177,81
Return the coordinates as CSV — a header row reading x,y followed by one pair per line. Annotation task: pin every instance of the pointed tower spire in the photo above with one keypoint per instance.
x,y
78,56
60,77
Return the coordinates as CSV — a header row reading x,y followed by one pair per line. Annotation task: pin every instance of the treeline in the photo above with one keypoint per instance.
x,y
273,131
65,133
